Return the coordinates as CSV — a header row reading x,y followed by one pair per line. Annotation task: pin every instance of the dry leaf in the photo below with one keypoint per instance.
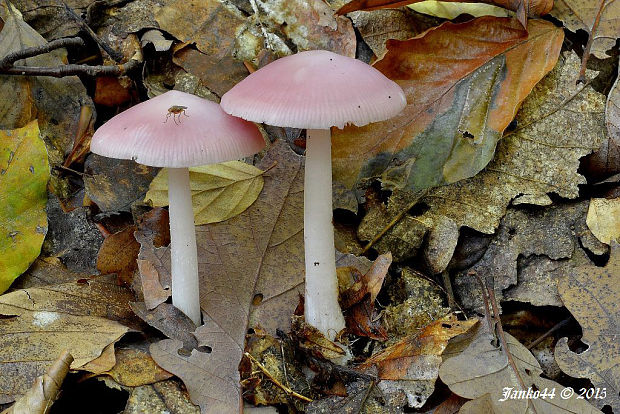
x,y
40,397
540,157
592,295
581,14
312,341
448,10
38,323
412,365
464,83
118,254
219,191
161,397
604,219
135,367
482,368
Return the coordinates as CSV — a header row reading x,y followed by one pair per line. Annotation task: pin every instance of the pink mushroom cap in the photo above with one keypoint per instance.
x,y
316,89
151,135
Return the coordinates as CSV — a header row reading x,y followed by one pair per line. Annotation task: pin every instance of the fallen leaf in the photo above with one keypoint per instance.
x,y
604,219
135,367
24,172
557,124
118,254
358,301
482,368
40,397
38,323
527,255
581,14
412,365
592,295
458,103
448,10
51,21
522,7
55,102
312,341
219,191
113,184
170,321
161,397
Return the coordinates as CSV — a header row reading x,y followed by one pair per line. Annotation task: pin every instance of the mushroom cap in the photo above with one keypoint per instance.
x,y
315,89
151,135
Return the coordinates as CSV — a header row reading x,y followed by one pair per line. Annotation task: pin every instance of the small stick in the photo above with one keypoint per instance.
x,y
275,381
28,52
394,222
586,51
71,70
549,332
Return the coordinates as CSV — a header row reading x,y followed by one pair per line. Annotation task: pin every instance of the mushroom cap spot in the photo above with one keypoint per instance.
x,y
207,135
316,89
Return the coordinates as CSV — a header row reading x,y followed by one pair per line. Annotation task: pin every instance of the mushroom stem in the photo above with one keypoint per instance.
x,y
183,252
321,303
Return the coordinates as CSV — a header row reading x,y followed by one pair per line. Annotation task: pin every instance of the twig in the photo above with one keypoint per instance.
x,y
116,56
11,58
549,332
485,298
394,221
71,70
275,381
586,51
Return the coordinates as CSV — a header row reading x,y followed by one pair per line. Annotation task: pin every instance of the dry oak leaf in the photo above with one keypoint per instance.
x,y
522,7
592,295
40,397
557,124
582,14
38,323
24,172
412,365
55,102
259,252
219,191
464,83
474,369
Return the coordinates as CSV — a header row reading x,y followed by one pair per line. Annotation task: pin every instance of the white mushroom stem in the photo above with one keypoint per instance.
x,y
184,258
321,303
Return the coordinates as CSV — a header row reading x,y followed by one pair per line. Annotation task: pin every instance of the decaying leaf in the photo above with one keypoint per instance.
x,y
540,157
604,219
449,10
54,102
38,323
135,367
24,172
464,83
40,397
312,341
592,295
412,365
482,368
219,191
528,254
161,397
582,14
118,254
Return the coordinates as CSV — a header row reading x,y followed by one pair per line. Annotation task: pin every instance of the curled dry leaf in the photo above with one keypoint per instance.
x,y
592,295
38,323
313,341
219,191
482,368
24,172
40,397
464,83
412,365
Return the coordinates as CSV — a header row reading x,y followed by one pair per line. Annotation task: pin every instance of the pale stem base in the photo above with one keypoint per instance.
x,y
321,303
184,258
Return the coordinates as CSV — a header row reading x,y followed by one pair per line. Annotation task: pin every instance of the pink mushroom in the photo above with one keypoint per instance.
x,y
317,90
178,130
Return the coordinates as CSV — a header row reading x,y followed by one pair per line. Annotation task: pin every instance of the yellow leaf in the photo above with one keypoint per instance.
x,y
448,10
219,191
24,172
603,219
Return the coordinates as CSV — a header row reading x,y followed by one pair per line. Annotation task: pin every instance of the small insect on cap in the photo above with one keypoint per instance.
x,y
315,89
176,129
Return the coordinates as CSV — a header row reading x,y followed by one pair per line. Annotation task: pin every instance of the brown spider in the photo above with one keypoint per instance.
x,y
176,111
